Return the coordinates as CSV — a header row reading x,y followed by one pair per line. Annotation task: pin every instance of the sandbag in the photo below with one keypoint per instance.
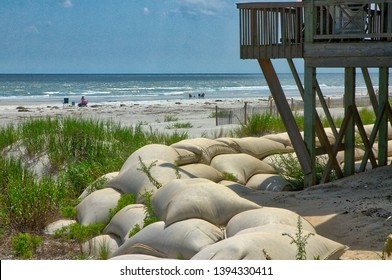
x,y
198,198
186,157
238,188
57,225
180,240
98,183
241,166
151,152
205,148
257,147
199,170
125,220
269,182
95,207
282,138
102,246
133,180
270,245
265,216
129,257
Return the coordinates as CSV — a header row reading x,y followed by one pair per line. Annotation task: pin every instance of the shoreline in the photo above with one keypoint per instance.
x,y
198,112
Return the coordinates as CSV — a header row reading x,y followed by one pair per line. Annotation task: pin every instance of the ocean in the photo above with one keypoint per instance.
x,y
145,87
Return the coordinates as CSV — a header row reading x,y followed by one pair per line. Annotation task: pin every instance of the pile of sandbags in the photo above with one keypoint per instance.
x,y
193,188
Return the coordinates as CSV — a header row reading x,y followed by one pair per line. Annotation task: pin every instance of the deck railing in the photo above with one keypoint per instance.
x,y
271,30
353,20
276,29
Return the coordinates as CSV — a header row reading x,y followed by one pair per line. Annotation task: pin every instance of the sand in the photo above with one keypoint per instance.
x,y
355,211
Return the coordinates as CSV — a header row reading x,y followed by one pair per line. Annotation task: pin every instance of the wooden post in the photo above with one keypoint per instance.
x,y
287,117
383,131
310,121
349,138
370,89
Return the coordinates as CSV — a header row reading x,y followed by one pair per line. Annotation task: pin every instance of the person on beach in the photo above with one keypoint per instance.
x,y
83,102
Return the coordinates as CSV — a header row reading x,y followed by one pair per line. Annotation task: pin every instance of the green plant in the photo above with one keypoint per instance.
x,y
103,250
79,232
147,171
179,125
229,176
68,211
150,216
24,245
26,202
300,240
170,118
135,230
261,124
288,166
125,199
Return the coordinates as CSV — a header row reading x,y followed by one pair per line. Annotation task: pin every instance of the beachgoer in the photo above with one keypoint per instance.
x,y
83,102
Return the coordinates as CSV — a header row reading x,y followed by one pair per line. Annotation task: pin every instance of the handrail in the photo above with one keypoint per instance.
x,y
276,29
348,20
272,29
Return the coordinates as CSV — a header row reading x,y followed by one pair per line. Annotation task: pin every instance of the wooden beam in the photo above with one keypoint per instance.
x,y
348,49
349,138
348,116
326,145
383,131
286,114
368,147
310,120
370,89
325,61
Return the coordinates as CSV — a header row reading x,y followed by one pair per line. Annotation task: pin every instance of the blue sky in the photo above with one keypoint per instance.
x,y
121,36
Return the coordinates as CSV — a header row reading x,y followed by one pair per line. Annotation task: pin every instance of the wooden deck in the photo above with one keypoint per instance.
x,y
339,31
330,33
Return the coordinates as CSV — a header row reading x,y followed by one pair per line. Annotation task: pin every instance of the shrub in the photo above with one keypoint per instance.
x,y
179,125
24,245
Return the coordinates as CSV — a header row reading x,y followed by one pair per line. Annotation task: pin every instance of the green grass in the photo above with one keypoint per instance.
x,y
170,118
79,152
179,125
265,123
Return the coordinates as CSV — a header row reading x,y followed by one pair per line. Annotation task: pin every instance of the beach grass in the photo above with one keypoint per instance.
x,y
77,153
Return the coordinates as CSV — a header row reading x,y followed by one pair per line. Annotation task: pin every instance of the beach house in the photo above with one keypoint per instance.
x,y
355,36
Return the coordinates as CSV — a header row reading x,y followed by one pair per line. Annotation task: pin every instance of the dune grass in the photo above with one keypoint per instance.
x,y
79,151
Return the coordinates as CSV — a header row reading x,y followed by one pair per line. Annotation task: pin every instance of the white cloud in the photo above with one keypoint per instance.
x,y
67,3
146,11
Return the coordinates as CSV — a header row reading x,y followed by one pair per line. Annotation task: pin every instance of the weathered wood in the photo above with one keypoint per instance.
x,y
338,143
310,121
383,132
326,145
349,61
349,137
286,114
370,89
352,49
277,29
368,147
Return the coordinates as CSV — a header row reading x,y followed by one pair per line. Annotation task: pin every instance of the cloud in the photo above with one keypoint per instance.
x,y
67,3
204,7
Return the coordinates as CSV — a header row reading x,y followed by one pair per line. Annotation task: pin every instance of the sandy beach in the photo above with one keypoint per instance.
x,y
355,211
198,112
